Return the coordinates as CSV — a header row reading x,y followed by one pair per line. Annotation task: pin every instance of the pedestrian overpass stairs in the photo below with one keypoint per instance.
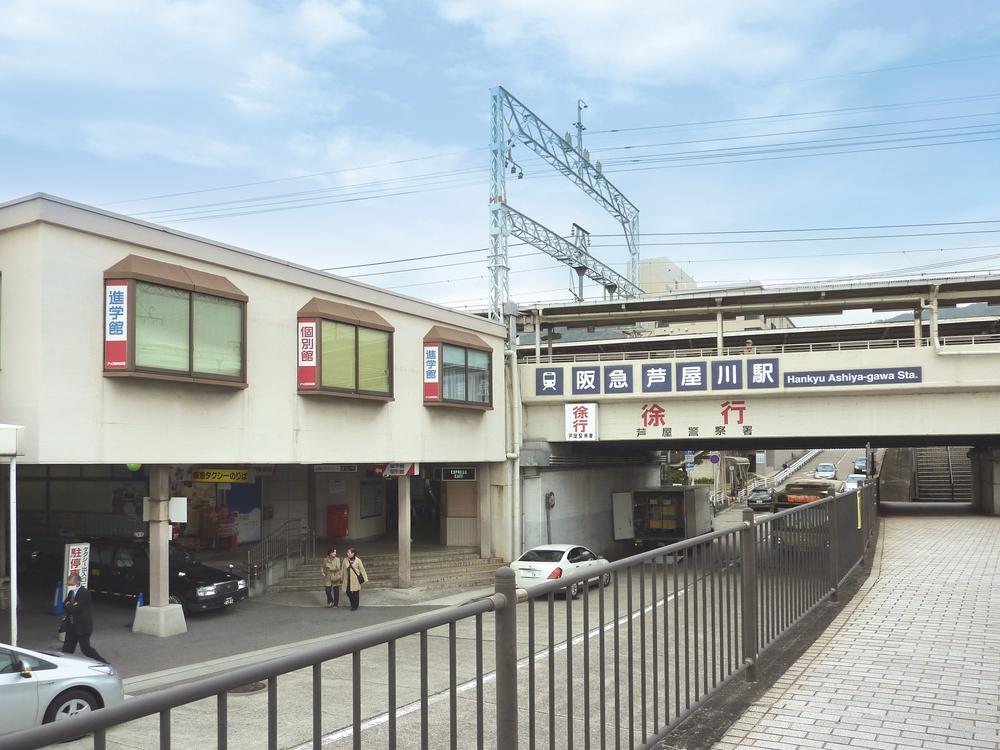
x,y
442,567
944,474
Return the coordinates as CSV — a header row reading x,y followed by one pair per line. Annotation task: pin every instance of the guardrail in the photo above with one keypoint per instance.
x,y
775,479
617,666
758,350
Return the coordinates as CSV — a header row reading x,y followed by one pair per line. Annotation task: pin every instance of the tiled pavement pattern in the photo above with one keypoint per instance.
x,y
912,662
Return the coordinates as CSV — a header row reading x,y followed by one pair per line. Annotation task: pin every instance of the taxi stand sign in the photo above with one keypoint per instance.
x,y
76,561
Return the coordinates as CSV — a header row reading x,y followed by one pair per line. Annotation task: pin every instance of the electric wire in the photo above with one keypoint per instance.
x,y
812,113
676,261
312,175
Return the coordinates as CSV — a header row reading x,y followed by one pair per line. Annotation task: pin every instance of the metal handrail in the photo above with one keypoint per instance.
x,y
762,349
756,594
220,684
775,479
294,534
951,473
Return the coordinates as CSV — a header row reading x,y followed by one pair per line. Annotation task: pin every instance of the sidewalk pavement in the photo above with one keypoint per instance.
x,y
913,661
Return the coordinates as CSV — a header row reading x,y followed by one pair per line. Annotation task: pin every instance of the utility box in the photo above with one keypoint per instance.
x,y
336,521
662,515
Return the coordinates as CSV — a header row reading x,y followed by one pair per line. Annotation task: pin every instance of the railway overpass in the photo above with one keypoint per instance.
x,y
926,382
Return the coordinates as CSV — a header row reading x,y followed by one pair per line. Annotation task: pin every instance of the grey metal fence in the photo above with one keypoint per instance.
x,y
612,657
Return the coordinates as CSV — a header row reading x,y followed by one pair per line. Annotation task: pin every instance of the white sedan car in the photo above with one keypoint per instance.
x,y
825,471
854,481
552,561
36,687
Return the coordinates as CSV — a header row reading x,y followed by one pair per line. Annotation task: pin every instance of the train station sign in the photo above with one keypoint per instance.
x,y
704,376
867,376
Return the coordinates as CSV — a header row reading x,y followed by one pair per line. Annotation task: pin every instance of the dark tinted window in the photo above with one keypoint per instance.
x,y
101,554
542,555
125,558
179,557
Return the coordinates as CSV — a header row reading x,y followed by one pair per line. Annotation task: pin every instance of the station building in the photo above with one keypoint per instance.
x,y
264,392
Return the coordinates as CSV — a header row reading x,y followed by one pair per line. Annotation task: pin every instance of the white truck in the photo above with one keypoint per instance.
x,y
657,516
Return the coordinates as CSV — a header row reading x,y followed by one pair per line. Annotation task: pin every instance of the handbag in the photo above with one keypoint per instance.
x,y
64,624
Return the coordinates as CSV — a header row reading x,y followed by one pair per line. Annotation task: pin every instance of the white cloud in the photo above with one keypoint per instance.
x,y
214,71
128,141
681,41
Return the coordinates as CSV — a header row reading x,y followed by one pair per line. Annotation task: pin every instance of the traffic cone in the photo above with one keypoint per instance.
x,y
57,600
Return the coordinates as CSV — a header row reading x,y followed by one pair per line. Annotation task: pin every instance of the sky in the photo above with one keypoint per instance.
x,y
345,134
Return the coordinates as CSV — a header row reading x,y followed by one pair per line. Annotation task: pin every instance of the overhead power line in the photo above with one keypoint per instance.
x,y
896,67
688,261
812,113
292,178
838,128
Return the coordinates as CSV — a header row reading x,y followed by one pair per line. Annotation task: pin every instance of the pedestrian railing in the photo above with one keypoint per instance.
x,y
610,657
757,350
292,540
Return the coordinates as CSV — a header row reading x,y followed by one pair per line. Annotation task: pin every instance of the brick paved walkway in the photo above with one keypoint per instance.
x,y
912,662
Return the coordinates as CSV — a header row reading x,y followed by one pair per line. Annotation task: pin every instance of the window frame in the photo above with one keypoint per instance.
x,y
466,402
320,310
135,269
488,403
190,373
357,391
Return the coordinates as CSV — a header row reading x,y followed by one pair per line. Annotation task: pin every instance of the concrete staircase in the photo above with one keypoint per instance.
x,y
444,567
944,475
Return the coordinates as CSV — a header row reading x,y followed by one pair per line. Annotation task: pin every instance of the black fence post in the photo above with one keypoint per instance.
x,y
834,552
506,658
748,572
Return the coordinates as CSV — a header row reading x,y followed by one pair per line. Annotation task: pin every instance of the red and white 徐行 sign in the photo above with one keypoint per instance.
x,y
581,422
432,372
307,353
115,324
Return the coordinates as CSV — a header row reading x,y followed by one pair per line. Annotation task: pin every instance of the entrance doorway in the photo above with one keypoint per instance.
x,y
426,511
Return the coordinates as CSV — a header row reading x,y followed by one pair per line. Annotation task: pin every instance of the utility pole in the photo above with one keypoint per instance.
x,y
512,124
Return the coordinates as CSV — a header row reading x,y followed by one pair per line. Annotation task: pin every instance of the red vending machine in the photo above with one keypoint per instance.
x,y
336,521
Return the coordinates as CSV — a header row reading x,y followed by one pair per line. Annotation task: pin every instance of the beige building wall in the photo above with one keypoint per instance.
x,y
52,381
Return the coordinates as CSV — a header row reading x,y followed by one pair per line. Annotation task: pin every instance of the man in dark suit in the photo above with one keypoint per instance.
x,y
79,622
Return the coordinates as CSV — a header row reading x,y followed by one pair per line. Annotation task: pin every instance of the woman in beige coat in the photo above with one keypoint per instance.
x,y
354,577
333,576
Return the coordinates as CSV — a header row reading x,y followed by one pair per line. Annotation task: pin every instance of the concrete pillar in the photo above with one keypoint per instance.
x,y
403,524
159,617
159,536
918,327
977,479
991,485
719,341
501,511
484,514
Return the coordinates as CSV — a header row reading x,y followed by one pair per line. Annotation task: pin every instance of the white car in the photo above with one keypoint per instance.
x,y
36,687
825,471
854,481
552,561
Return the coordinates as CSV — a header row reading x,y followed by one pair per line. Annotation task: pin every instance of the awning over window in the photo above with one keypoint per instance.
x,y
359,316
169,274
442,335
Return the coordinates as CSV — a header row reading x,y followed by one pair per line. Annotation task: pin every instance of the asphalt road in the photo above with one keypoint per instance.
x,y
249,626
